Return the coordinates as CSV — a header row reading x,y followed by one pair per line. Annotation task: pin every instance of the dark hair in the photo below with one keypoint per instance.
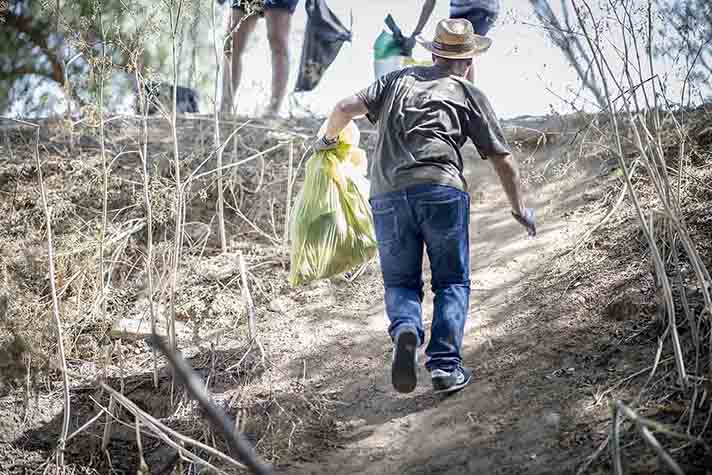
x,y
452,63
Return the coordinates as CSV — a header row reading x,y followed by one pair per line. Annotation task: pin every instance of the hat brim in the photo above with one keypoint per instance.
x,y
480,45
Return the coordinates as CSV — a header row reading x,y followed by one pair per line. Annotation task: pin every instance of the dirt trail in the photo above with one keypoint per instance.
x,y
322,401
511,419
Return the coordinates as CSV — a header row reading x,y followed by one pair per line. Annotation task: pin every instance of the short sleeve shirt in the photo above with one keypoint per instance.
x,y
425,116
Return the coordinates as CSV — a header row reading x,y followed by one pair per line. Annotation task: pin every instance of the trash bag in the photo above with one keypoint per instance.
x,y
323,39
390,51
331,228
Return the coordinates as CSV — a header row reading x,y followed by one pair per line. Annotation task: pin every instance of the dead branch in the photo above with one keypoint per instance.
x,y
221,197
55,305
217,418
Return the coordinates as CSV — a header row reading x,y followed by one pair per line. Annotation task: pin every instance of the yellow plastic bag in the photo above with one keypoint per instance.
x,y
331,228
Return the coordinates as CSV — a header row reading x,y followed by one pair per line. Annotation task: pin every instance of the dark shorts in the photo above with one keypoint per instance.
x,y
289,5
482,20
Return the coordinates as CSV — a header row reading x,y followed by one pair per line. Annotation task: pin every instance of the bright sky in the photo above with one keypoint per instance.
x,y
514,73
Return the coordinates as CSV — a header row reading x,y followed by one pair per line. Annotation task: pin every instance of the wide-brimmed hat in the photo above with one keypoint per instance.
x,y
456,39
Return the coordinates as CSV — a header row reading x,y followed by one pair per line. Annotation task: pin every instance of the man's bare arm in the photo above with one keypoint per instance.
x,y
508,174
425,14
345,110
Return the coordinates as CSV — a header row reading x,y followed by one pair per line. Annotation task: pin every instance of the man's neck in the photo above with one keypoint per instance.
x,y
448,70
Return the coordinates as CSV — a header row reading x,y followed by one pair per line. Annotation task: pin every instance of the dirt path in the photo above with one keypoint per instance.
x,y
511,419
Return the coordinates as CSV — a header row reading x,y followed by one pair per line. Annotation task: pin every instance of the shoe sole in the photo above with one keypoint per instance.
x,y
455,387
403,372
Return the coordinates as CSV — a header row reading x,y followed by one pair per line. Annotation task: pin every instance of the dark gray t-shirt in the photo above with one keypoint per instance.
x,y
424,117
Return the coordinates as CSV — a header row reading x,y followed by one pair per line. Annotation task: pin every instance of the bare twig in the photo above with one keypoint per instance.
x,y
143,467
602,62
143,152
166,434
105,166
55,305
221,197
252,324
237,164
108,426
174,17
85,426
642,425
288,206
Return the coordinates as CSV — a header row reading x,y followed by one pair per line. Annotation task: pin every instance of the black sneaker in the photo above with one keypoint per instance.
x,y
404,372
444,382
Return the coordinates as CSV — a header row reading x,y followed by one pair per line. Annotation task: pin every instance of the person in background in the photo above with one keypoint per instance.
x,y
481,13
418,193
245,13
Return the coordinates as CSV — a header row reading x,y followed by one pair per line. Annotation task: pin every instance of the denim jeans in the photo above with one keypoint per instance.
x,y
437,218
482,20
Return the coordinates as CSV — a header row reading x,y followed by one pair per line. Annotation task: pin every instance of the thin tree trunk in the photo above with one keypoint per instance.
x,y
174,21
149,216
55,309
105,169
216,137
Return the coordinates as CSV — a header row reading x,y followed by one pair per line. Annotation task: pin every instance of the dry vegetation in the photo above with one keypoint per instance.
x,y
286,419
119,218
210,306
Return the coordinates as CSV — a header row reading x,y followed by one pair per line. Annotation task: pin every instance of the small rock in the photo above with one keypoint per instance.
x,y
552,419
593,195
280,305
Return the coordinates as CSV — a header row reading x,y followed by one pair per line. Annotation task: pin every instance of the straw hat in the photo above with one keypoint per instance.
x,y
456,39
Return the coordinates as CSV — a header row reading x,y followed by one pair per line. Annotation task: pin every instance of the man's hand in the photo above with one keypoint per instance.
x,y
527,219
325,143
407,45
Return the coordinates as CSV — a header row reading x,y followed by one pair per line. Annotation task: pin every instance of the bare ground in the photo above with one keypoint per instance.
x,y
552,337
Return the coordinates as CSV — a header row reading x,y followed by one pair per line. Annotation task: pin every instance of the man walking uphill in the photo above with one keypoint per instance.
x,y
481,13
425,115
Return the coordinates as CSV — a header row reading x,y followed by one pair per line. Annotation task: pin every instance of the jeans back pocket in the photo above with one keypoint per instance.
x,y
443,216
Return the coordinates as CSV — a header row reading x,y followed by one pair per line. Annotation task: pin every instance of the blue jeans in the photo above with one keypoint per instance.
x,y
435,217
482,20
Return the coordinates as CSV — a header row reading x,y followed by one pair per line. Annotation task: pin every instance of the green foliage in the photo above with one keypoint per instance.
x,y
39,39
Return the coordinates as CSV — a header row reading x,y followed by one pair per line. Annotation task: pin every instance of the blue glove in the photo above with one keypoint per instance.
x,y
325,143
527,220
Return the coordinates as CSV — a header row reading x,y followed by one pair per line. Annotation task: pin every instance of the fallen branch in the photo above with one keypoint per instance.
x,y
164,433
642,424
217,418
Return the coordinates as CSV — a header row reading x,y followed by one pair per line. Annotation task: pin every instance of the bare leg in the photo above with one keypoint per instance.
x,y
278,25
232,69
